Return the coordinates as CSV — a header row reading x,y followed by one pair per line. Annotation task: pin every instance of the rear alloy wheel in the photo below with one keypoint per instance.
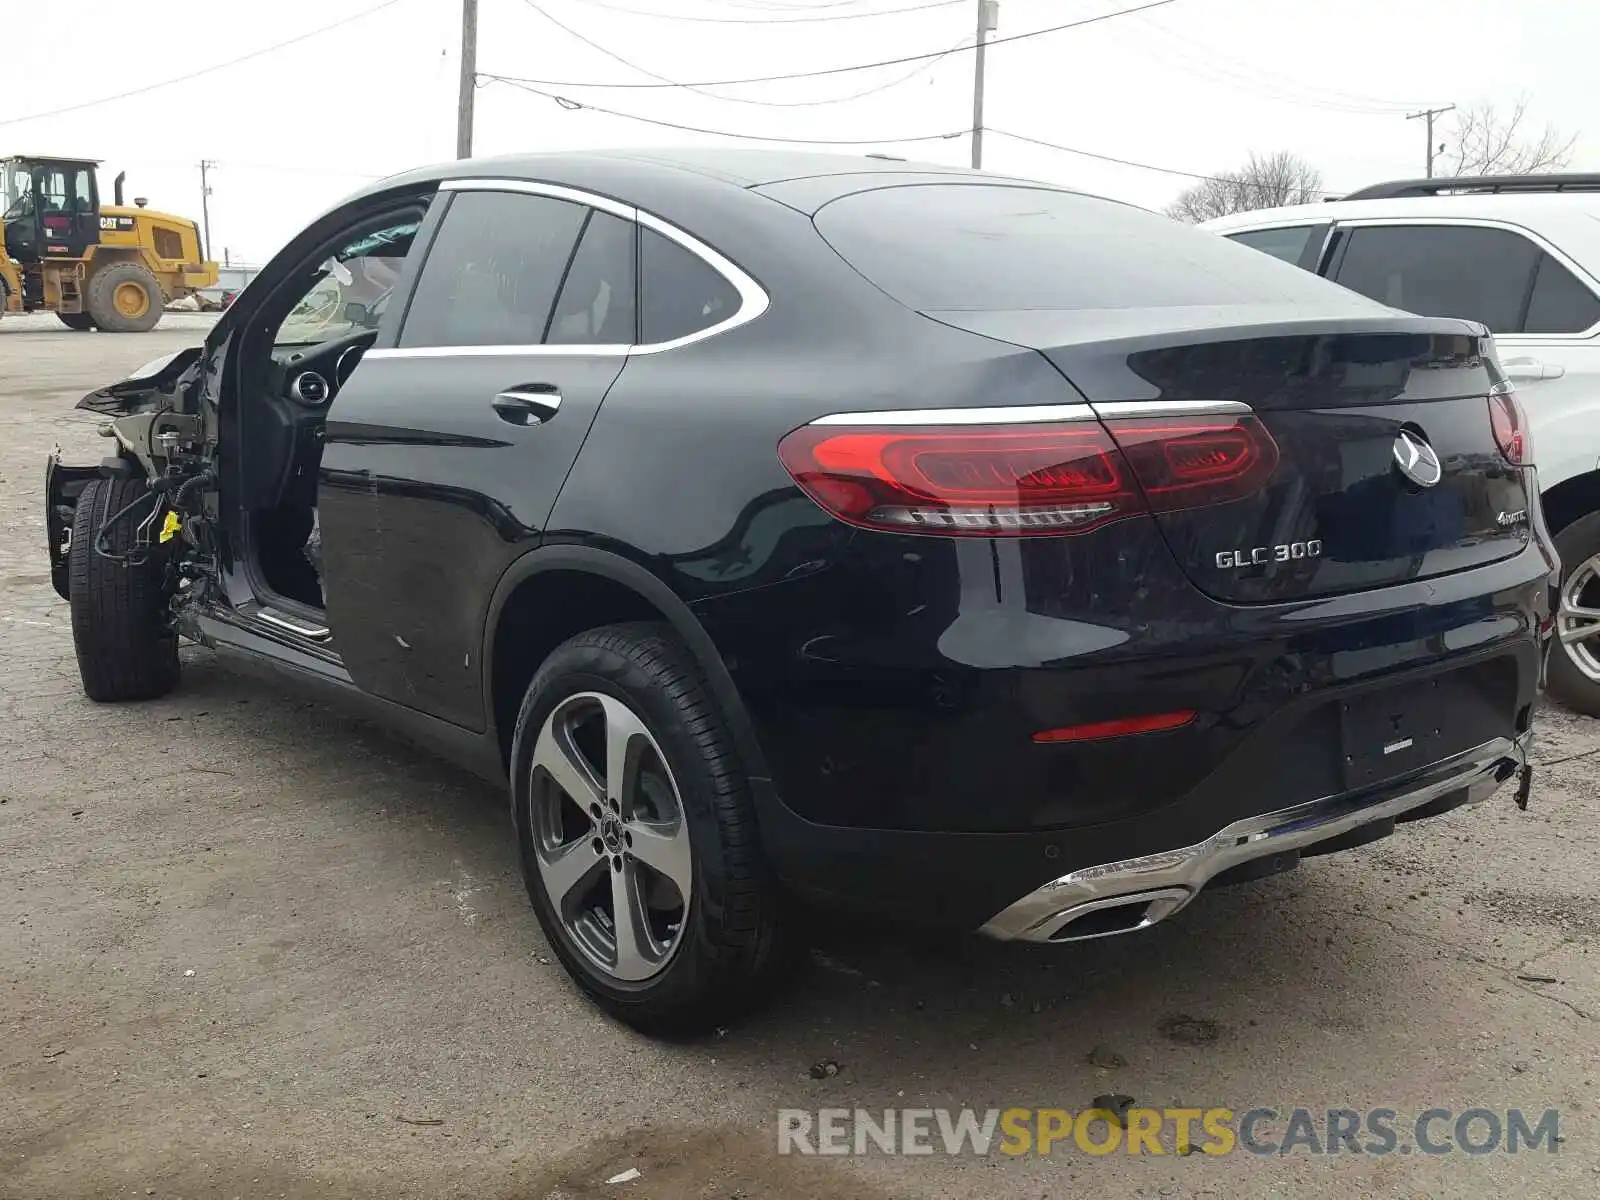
x,y
637,834
609,836
1575,659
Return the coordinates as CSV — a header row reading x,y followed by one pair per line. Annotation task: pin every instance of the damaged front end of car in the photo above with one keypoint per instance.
x,y
163,437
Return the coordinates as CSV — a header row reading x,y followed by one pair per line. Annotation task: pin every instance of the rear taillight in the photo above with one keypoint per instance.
x,y
1510,425
1026,480
1190,462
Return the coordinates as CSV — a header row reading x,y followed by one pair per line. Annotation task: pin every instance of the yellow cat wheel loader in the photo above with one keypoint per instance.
x,y
95,266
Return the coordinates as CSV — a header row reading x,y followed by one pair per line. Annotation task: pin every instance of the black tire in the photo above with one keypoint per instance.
x,y
121,629
81,322
732,946
102,292
1577,544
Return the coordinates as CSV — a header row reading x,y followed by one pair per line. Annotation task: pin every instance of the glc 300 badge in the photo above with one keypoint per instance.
x,y
1260,556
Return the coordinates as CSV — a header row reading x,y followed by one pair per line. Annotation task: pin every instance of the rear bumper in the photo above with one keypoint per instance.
x,y
902,775
1135,893
906,696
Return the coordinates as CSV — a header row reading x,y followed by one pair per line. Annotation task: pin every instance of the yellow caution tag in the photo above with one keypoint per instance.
x,y
170,527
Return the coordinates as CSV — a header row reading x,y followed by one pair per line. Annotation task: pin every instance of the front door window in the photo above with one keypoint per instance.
x,y
350,290
16,190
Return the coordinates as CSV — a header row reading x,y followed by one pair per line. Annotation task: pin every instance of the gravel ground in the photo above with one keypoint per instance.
x,y
251,948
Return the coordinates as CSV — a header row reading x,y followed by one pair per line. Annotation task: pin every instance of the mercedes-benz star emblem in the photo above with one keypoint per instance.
x,y
1416,459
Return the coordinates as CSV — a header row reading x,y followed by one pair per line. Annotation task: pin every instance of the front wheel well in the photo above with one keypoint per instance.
x,y
1571,499
543,611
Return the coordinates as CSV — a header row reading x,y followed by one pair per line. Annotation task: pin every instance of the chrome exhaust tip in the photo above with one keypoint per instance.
x,y
1112,915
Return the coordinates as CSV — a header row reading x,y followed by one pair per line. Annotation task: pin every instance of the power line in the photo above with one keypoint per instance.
x,y
810,20
575,106
1124,162
763,6
232,62
1213,64
234,164
629,63
886,62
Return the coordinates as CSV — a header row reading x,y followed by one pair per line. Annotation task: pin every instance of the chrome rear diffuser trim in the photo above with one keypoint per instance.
x,y
1164,877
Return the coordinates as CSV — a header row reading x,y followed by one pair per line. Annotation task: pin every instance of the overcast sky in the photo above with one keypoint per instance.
x,y
1194,85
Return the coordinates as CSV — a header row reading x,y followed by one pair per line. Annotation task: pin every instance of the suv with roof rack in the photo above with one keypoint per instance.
x,y
1521,254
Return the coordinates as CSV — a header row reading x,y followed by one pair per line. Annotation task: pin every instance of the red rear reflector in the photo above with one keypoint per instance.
x,y
1120,727
1510,425
1026,480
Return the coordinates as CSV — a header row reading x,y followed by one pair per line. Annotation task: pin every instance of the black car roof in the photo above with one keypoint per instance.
x,y
696,184
726,166
737,165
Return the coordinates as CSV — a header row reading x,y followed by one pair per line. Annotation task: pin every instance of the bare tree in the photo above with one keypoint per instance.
x,y
1266,181
1488,142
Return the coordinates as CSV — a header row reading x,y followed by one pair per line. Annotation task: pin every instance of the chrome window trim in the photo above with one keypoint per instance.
x,y
1020,414
498,351
753,299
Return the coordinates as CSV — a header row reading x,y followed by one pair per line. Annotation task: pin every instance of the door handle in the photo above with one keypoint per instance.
x,y
530,405
1530,369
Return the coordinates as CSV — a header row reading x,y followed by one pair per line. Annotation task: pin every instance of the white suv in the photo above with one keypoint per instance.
x,y
1521,254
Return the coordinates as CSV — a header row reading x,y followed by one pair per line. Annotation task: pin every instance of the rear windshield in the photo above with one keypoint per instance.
x,y
986,246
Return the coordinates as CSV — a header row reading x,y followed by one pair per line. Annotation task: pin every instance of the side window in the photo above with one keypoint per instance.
x,y
493,271
596,307
1443,271
54,190
82,200
1561,302
1288,244
679,292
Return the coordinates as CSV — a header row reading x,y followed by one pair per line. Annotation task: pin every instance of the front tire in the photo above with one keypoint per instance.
x,y
1574,677
121,624
637,834
80,322
124,297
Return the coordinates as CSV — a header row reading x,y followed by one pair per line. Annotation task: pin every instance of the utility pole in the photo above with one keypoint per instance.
x,y
1429,114
988,19
469,77
205,206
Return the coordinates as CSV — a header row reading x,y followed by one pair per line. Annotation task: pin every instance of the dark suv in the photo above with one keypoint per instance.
x,y
790,527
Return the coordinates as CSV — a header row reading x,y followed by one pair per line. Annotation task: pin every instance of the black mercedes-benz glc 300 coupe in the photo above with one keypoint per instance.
x,y
785,527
